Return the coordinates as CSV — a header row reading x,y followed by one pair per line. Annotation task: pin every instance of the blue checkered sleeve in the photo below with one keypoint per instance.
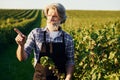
x,y
30,43
69,49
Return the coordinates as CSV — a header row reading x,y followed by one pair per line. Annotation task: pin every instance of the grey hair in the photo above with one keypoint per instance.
x,y
60,11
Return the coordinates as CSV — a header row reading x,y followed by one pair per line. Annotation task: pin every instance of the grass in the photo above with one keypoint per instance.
x,y
12,69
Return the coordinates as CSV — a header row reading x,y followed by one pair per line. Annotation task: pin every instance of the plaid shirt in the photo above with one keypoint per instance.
x,y
35,39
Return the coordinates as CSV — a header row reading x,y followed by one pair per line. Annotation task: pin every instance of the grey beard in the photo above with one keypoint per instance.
x,y
56,25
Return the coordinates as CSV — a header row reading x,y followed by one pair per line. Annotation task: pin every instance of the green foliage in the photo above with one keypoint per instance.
x,y
97,44
46,61
7,34
97,53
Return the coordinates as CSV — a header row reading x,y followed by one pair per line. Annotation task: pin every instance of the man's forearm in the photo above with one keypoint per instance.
x,y
20,53
70,69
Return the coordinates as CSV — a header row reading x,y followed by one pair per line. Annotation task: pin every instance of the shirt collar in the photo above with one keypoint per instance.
x,y
45,29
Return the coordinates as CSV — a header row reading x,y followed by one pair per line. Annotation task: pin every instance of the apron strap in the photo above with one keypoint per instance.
x,y
44,37
63,37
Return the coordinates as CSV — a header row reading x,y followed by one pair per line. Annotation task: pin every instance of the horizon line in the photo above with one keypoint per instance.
x,y
66,9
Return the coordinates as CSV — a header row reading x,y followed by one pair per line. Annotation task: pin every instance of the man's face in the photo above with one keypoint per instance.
x,y
52,17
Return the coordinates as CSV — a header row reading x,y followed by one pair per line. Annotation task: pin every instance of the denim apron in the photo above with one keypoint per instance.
x,y
56,51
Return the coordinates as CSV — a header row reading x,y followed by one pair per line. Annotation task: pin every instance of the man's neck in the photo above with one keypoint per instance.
x,y
53,29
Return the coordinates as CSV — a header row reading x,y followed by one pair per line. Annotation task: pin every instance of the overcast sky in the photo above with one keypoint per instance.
x,y
68,4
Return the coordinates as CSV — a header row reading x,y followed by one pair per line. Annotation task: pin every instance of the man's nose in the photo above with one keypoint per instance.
x,y
51,17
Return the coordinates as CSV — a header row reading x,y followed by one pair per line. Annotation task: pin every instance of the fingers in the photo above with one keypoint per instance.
x,y
19,32
20,38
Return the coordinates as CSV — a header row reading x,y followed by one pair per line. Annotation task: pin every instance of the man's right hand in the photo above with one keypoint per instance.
x,y
20,38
